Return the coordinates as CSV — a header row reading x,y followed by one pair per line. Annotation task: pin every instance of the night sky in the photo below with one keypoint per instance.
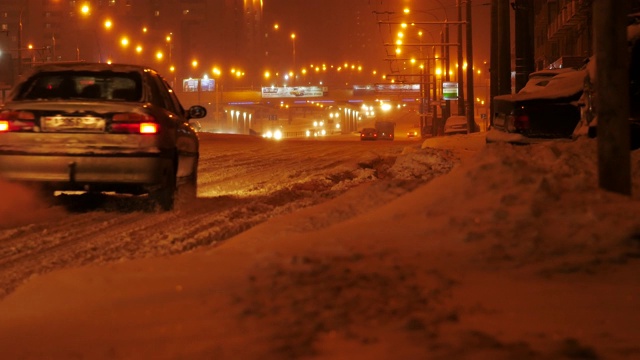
x,y
342,31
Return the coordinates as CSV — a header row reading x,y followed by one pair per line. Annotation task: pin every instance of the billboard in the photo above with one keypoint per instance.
x,y
191,85
397,88
293,91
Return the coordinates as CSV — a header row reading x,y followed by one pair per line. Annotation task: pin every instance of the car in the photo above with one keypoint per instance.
x,y
414,132
369,134
196,125
588,121
98,127
457,124
546,108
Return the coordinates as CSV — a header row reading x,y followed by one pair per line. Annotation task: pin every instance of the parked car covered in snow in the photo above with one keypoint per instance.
x,y
589,122
457,124
546,108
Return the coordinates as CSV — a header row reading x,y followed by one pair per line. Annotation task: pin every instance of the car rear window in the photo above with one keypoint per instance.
x,y
103,85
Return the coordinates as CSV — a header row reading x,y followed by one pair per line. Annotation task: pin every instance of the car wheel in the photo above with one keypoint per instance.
x,y
164,196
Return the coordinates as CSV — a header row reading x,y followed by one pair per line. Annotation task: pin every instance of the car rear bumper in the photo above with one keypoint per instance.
x,y
70,162
82,169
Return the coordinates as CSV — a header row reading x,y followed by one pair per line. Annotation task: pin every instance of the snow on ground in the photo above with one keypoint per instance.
x,y
513,254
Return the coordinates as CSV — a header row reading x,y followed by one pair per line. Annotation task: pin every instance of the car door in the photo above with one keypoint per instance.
x,y
186,141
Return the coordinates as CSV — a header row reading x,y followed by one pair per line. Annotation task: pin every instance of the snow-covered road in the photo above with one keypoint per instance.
x,y
243,181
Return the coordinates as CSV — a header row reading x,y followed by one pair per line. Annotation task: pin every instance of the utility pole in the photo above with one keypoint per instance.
x,y
612,102
20,46
470,98
524,41
446,108
500,51
461,106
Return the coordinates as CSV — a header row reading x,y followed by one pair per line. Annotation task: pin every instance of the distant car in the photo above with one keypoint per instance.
x,y
546,108
368,134
413,133
196,125
457,124
100,128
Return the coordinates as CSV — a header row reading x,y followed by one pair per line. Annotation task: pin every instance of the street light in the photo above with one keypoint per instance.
x,y
293,42
216,76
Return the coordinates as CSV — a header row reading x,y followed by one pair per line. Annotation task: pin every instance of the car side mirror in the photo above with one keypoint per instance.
x,y
197,112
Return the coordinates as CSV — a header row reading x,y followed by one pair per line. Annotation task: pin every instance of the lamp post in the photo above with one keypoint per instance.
x,y
216,76
293,42
169,39
20,45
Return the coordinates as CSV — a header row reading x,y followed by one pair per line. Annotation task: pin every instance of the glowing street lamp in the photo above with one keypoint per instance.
x,y
293,42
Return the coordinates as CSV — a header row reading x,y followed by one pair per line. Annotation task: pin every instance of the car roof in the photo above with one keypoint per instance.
x,y
563,85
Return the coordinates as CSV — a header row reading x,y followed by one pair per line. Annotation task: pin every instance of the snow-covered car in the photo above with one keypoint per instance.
x,y
588,123
98,127
369,134
457,124
546,108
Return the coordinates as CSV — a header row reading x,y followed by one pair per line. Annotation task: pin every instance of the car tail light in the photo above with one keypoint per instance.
x,y
134,123
16,121
521,122
148,128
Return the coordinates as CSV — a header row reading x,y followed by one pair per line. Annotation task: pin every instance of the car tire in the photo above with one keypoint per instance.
x,y
163,197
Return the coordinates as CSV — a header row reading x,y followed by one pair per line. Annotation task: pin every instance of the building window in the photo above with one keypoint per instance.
x,y
4,27
156,13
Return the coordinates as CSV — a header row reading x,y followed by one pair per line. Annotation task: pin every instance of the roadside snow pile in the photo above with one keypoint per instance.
x,y
423,164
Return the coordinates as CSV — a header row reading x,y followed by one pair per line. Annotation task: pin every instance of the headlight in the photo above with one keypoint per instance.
x,y
277,134
268,134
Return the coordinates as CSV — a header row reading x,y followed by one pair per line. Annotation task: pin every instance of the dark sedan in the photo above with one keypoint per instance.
x,y
100,128
369,134
546,108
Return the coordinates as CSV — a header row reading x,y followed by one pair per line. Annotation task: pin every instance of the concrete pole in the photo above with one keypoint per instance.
x,y
20,47
470,72
612,100
524,42
461,106
503,29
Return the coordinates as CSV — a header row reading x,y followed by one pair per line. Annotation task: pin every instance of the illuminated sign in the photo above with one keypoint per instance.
x,y
205,84
397,88
293,92
450,90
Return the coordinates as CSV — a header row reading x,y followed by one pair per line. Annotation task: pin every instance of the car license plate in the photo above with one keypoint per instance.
x,y
73,123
